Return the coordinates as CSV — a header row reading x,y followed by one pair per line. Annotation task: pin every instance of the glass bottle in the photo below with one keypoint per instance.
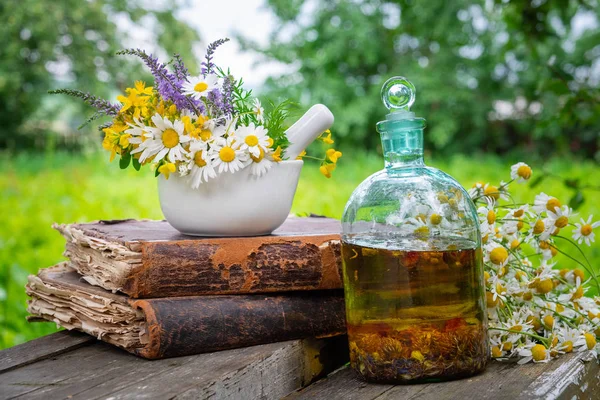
x,y
413,270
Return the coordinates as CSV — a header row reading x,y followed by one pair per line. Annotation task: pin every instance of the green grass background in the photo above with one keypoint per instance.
x,y
42,189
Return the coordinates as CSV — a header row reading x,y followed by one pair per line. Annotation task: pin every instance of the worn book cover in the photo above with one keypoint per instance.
x,y
168,327
146,259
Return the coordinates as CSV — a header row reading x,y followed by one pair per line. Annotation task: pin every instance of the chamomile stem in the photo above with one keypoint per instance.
x,y
538,337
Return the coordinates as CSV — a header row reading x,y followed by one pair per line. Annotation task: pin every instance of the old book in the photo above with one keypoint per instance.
x,y
168,327
146,259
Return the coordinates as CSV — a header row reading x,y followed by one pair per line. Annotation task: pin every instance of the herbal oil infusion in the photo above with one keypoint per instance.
x,y
413,269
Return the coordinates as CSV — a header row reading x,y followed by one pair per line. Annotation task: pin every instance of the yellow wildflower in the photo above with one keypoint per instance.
x,y
277,154
327,169
327,139
333,155
301,155
141,89
166,169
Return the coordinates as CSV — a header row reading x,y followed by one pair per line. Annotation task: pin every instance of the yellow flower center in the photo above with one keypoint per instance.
x,y
568,346
539,227
548,321
535,321
489,298
422,231
586,230
507,346
514,244
227,154
205,134
170,138
528,296
491,217
578,293
538,352
545,286
492,191
496,352
552,204
590,341
260,156
517,328
518,213
561,222
498,255
251,140
579,274
198,160
435,219
524,172
200,87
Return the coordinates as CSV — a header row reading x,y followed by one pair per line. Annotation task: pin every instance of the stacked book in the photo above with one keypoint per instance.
x,y
144,287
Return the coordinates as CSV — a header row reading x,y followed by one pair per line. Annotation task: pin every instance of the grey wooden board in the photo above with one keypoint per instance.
x,y
573,376
99,370
37,349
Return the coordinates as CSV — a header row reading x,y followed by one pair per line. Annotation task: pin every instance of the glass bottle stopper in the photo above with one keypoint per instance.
x,y
398,95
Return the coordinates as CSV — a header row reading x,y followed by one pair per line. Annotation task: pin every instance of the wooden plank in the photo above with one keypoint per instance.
x,y
572,376
52,373
41,348
101,371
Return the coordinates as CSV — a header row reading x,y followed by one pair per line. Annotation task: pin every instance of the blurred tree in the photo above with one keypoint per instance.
x,y
72,43
490,75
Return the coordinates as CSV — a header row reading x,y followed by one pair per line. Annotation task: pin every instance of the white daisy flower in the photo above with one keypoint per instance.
x,y
584,231
570,339
200,86
258,110
200,164
253,139
535,352
221,127
520,172
260,167
167,139
487,217
138,131
227,155
543,202
561,216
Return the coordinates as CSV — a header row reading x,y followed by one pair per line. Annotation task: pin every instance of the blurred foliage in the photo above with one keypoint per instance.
x,y
72,43
86,188
497,76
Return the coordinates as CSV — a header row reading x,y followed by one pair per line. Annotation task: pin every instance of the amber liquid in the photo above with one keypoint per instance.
x,y
415,315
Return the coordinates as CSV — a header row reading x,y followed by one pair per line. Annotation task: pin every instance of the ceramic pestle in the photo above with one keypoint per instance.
x,y
314,122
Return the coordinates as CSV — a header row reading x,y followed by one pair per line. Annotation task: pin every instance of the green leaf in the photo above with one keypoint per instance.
x,y
537,181
125,160
572,183
577,200
136,163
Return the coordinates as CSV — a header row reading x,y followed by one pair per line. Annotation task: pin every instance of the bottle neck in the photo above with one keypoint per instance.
x,y
403,149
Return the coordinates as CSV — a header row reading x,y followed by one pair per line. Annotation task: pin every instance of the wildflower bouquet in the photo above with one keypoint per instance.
x,y
198,126
536,311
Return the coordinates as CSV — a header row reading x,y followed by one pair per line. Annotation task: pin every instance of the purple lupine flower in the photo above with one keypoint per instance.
x,y
208,66
103,106
181,72
167,84
228,95
215,99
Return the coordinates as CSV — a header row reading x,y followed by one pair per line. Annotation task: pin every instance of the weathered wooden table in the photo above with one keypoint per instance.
x,y
76,366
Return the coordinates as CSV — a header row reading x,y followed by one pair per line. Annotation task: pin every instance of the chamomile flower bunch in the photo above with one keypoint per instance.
x,y
536,310
196,126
